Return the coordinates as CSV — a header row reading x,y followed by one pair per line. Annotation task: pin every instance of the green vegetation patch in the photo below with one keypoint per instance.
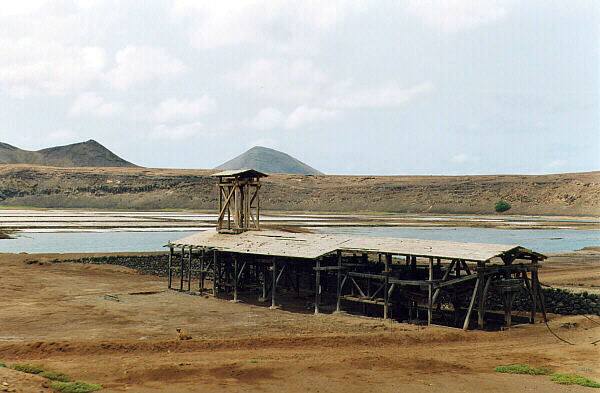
x,y
521,369
75,387
27,368
574,379
2,364
502,206
55,376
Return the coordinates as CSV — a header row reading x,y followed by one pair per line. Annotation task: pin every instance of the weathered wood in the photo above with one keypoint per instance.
x,y
471,303
235,279
317,286
455,281
430,293
311,246
363,300
189,272
388,263
170,266
444,278
274,285
339,282
202,273
215,274
181,272
480,299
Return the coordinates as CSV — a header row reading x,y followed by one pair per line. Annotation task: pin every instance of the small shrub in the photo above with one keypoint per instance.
x,y
2,364
254,361
502,206
75,387
55,376
521,369
574,379
27,368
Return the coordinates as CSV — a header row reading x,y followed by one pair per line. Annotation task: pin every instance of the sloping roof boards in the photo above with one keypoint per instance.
x,y
240,173
311,246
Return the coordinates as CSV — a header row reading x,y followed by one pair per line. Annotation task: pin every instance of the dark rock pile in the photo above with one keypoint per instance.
x,y
145,264
557,301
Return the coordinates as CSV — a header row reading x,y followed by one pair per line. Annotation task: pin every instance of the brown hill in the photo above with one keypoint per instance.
x,y
144,188
83,154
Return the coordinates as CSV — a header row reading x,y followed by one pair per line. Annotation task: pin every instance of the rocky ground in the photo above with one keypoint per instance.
x,y
144,188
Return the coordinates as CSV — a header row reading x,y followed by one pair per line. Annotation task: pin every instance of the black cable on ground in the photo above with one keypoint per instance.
x,y
596,322
543,307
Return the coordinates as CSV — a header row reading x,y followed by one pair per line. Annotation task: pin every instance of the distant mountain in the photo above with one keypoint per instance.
x,y
270,161
90,154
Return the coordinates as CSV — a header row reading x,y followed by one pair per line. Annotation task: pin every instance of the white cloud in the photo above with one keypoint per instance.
x,y
346,96
276,79
91,104
452,16
267,118
274,23
181,110
556,164
178,132
34,67
140,64
60,135
463,158
303,115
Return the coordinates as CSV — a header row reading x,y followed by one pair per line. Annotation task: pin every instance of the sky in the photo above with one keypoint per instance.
x,y
349,87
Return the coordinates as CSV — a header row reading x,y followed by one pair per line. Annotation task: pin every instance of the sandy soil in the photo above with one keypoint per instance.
x,y
58,315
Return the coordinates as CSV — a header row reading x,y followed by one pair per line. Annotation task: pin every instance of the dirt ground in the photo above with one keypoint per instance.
x,y
113,326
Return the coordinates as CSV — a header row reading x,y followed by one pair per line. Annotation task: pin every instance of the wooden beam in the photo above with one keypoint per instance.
x,y
430,293
339,281
170,266
317,285
455,281
470,309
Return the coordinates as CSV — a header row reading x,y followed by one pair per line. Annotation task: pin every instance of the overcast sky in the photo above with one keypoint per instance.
x,y
349,87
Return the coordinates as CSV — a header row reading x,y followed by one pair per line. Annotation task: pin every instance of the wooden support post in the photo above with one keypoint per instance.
x,y
430,293
534,286
264,283
386,294
181,272
235,279
189,272
274,285
339,281
444,278
170,266
508,302
215,274
317,285
202,267
470,309
480,299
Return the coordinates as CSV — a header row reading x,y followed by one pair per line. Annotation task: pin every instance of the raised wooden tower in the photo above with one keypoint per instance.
x,y
239,204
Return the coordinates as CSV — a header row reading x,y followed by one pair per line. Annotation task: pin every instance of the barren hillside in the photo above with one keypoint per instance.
x,y
83,154
143,188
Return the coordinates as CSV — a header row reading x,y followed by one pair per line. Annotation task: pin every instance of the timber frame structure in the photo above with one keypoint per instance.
x,y
416,280
239,201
